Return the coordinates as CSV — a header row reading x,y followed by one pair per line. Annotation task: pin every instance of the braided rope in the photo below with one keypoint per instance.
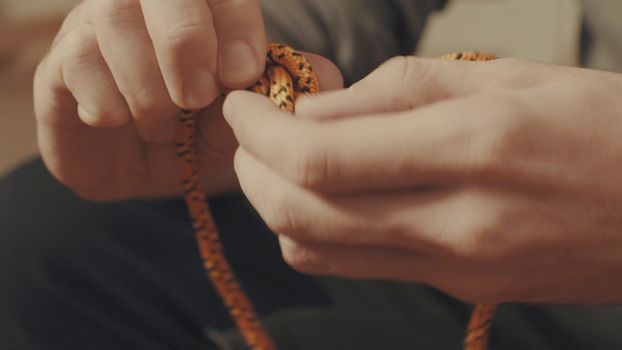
x,y
288,75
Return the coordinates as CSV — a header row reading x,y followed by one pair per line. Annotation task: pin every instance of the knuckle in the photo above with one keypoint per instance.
x,y
183,36
479,232
513,73
399,76
396,66
116,9
409,70
500,137
311,169
399,97
475,245
394,228
412,70
394,79
82,48
279,217
301,258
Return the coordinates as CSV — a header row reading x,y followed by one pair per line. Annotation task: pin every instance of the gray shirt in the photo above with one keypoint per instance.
x,y
359,35
604,25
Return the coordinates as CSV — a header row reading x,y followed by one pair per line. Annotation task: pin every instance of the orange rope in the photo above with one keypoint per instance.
x,y
478,329
288,75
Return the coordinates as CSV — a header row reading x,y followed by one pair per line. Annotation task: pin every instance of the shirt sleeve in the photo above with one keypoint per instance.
x,y
358,35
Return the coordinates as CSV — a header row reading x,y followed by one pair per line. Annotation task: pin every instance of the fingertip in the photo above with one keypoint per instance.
x,y
243,102
328,73
240,63
232,100
199,90
102,120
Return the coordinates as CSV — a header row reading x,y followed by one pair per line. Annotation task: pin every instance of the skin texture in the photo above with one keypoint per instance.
x,y
493,181
108,95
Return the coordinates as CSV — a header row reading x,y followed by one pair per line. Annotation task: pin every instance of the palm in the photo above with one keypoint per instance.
x,y
110,164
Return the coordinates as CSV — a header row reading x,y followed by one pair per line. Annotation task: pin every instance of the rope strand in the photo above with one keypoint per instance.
x,y
288,75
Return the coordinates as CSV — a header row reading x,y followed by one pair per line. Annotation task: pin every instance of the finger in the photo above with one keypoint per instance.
x,y
474,284
81,64
66,143
455,141
129,52
414,219
456,229
186,45
453,229
357,262
290,210
241,41
55,106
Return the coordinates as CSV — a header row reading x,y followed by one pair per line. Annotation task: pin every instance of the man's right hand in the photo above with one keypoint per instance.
x,y
108,95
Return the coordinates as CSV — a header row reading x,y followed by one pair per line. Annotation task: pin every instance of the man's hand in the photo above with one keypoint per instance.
x,y
108,95
494,181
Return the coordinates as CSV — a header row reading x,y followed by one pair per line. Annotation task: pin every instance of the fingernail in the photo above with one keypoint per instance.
x,y
238,63
165,132
87,117
200,89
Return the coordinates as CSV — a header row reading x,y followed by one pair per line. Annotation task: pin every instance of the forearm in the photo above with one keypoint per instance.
x,y
358,35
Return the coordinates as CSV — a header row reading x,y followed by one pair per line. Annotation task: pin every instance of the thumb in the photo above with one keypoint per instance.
x,y
401,83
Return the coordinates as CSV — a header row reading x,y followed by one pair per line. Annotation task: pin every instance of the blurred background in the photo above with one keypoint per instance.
x,y
542,30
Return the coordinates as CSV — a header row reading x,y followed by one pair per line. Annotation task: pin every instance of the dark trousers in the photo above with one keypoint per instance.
x,y
79,275
124,275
